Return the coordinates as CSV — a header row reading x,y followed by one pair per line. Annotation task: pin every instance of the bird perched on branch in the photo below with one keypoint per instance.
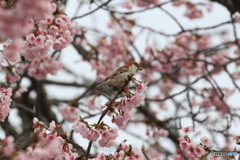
x,y
118,77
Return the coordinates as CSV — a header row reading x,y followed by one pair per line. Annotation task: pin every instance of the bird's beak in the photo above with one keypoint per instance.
x,y
139,68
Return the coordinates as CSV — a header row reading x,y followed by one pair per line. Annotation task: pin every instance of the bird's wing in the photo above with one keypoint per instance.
x,y
117,72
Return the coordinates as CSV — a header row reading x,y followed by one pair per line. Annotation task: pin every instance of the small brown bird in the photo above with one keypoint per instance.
x,y
118,77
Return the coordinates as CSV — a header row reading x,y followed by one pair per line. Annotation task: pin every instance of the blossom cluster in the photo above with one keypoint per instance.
x,y
124,151
69,113
157,133
17,21
123,110
5,102
39,68
54,31
13,71
93,132
191,150
237,17
48,145
140,3
50,29
177,57
51,144
212,99
193,11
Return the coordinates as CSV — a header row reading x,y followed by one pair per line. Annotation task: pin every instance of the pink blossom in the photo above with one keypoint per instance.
x,y
132,102
193,13
42,24
121,118
6,91
166,85
20,91
8,145
179,3
160,133
128,152
100,156
184,145
80,127
153,153
30,38
90,104
53,29
37,125
49,18
206,141
187,129
5,102
53,126
92,135
60,21
219,59
141,87
179,155
108,138
136,154
69,113
209,6
204,42
185,40
199,151
40,68
53,148
39,41
50,145
213,100
11,52
19,17
237,17
127,5
38,44
12,77
144,3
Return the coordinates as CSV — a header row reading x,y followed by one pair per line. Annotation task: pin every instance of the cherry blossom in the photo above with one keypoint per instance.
x,y
127,5
80,127
108,138
237,18
199,151
51,145
69,113
142,3
20,91
39,68
8,145
90,104
132,102
160,133
121,118
10,52
206,141
187,129
141,87
5,102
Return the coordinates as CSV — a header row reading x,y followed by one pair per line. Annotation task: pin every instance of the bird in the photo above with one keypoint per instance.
x,y
118,77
